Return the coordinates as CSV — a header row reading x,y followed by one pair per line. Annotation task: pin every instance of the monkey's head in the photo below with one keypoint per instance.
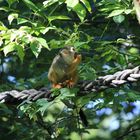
x,y
68,54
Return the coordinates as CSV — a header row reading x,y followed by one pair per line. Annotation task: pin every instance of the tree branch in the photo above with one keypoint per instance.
x,y
127,133
85,87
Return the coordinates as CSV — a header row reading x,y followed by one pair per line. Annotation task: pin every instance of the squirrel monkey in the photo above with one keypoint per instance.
x,y
63,71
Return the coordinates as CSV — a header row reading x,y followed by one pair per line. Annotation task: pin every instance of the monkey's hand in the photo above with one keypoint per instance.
x,y
77,59
69,83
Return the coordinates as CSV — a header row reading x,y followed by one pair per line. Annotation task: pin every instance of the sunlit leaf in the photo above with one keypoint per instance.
x,y
44,105
134,50
11,17
3,28
31,5
80,10
71,3
66,93
75,136
60,17
9,48
116,12
35,47
45,30
1,41
21,20
6,9
48,3
26,29
87,4
128,11
43,42
119,18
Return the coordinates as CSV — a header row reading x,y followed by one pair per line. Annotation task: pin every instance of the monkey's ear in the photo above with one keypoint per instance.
x,y
65,52
60,53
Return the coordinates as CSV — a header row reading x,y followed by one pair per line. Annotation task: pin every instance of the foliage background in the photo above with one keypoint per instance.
x,y
106,32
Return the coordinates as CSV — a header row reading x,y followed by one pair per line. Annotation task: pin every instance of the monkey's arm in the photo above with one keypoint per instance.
x,y
73,71
75,63
77,60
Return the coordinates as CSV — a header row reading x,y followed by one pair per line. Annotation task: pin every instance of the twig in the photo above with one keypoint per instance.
x,y
127,133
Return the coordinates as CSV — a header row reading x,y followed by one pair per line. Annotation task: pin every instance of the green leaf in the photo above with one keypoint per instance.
x,y
134,50
48,3
119,18
21,20
78,44
71,3
10,2
31,5
26,29
14,35
6,9
106,52
55,106
11,17
80,10
128,11
1,42
43,105
55,43
77,7
9,48
134,95
3,28
35,47
75,136
45,30
67,93
87,4
20,52
121,40
116,12
43,42
83,100
60,17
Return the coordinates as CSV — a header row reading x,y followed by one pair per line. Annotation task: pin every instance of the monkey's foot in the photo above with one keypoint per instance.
x,y
57,86
69,83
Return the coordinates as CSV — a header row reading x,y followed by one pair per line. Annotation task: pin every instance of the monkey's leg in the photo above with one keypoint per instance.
x,y
73,79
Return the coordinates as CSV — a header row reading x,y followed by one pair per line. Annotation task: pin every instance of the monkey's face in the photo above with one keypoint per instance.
x,y
68,54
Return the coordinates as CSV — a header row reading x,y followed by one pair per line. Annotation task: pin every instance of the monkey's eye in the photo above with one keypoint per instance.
x,y
72,49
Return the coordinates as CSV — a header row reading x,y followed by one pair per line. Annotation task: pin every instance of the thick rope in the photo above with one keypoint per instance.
x,y
114,80
101,83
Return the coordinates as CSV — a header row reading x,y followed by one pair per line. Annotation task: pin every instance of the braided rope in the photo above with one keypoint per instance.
x,y
101,83
114,80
